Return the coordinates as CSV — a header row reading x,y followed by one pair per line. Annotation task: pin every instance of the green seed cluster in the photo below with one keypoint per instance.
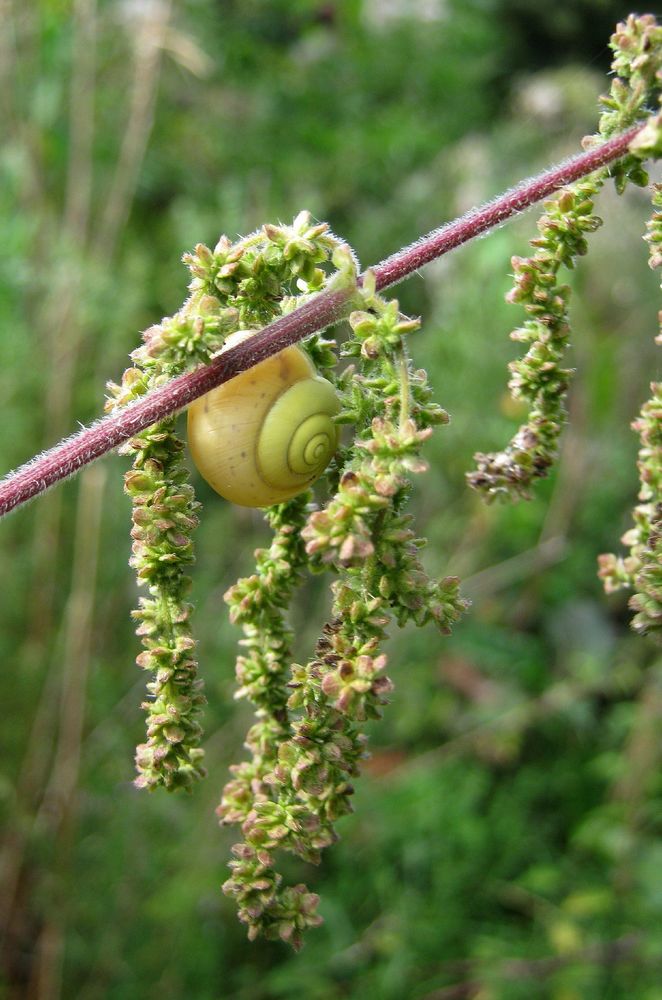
x,y
257,273
641,570
234,286
258,603
164,517
307,750
540,378
636,90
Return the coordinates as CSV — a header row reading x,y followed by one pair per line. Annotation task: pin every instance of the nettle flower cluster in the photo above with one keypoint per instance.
x,y
539,378
641,571
235,286
306,745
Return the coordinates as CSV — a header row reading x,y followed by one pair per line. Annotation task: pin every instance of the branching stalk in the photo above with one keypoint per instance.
x,y
72,454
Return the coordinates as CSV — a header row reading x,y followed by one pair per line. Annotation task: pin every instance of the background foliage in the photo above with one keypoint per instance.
x,y
507,828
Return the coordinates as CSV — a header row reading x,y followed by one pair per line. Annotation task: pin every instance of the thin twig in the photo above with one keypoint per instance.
x,y
328,307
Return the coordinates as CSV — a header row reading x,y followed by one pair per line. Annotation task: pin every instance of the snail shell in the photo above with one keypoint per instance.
x,y
267,434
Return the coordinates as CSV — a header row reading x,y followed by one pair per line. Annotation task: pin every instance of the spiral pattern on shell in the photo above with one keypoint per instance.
x,y
268,434
298,437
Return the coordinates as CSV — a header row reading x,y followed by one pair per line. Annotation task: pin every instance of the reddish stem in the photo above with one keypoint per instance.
x,y
72,454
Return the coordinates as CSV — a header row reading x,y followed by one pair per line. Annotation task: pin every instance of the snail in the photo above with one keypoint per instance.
x,y
268,433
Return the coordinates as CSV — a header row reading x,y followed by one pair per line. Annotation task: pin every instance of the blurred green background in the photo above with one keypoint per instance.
x,y
505,842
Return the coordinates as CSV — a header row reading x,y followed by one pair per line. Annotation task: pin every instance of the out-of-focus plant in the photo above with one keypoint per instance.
x,y
306,743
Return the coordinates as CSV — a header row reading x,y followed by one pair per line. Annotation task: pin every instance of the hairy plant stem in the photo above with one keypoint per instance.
x,y
72,454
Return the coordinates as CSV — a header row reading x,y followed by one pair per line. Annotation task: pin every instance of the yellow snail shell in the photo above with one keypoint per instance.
x,y
267,434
